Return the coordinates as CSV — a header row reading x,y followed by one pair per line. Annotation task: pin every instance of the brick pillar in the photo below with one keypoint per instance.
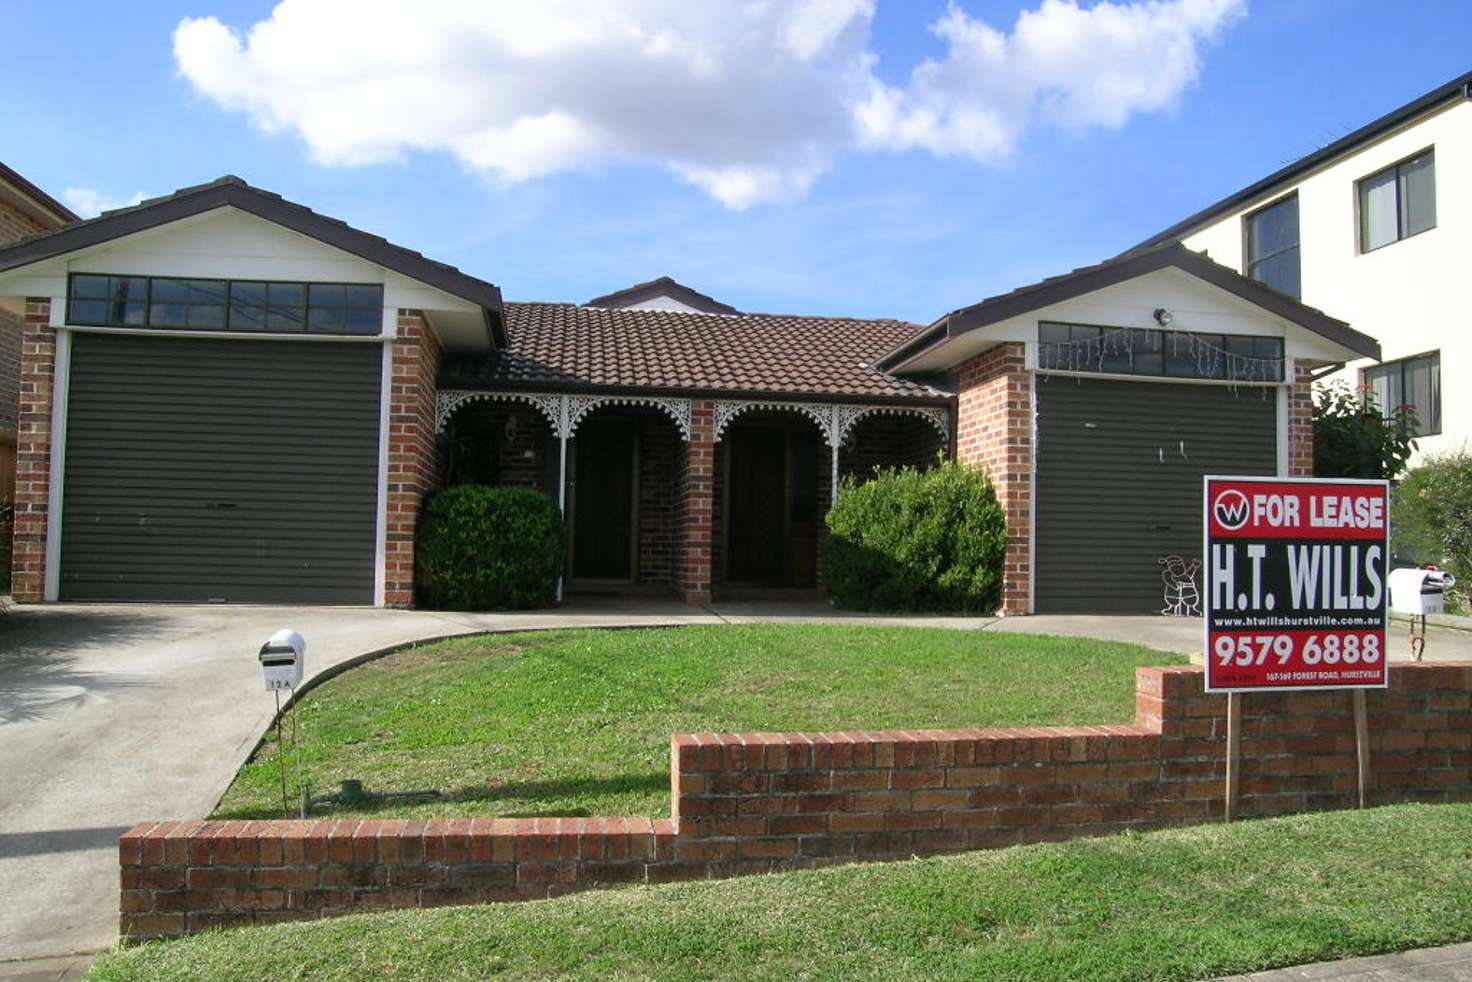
x,y
33,452
1301,422
696,490
411,449
994,430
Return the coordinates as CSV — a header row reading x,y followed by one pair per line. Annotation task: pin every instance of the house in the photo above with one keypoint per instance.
x,y
24,210
1373,228
251,401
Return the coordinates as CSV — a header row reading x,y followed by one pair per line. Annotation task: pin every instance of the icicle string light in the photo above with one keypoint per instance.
x,y
1210,361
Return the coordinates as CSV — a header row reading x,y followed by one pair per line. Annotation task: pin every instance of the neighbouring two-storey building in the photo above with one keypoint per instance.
x,y
25,210
1376,229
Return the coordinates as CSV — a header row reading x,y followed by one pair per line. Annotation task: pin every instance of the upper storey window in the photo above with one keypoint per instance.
x,y
1272,246
252,306
1398,202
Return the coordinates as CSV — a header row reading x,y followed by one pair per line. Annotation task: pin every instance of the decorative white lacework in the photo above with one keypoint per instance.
x,y
563,412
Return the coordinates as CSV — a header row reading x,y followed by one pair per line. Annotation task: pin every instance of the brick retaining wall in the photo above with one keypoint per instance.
x,y
759,802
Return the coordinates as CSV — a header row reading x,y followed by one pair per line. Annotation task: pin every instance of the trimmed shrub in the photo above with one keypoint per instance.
x,y
1432,518
484,548
1354,438
933,540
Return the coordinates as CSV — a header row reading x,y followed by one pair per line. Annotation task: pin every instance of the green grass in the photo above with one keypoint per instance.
x,y
579,722
1181,904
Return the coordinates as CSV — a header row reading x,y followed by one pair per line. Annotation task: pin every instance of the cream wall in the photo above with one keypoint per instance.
x,y
1412,295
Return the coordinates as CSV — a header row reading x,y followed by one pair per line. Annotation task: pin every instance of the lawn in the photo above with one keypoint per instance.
x,y
1180,904
579,722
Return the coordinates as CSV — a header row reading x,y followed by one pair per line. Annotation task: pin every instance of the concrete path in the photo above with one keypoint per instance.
x,y
1452,963
114,714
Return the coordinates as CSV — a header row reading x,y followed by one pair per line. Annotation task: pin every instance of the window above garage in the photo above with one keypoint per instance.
x,y
1094,349
246,306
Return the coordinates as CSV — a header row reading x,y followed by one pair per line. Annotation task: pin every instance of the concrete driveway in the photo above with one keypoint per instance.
x,y
110,715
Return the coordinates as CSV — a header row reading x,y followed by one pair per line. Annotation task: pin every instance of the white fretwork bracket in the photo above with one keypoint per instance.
x,y
449,401
563,412
834,421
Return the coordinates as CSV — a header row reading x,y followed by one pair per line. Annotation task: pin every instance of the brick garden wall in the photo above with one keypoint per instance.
x,y
759,802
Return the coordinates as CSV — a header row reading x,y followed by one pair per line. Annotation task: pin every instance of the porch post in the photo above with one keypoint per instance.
x,y
562,421
693,569
834,439
562,454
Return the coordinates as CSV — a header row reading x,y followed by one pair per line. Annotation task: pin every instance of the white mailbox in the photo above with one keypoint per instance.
x,y
283,659
1419,591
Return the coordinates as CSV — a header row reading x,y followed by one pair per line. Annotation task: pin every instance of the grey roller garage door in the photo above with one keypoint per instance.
x,y
1119,468
223,471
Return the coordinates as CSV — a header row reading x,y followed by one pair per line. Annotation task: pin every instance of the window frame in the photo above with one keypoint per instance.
x,y
1401,364
1361,230
229,302
1248,262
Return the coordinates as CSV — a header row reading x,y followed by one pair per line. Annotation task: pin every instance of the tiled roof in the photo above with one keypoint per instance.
x,y
663,287
567,346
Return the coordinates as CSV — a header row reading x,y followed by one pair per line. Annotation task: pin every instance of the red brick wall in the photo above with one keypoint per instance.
x,y
660,451
888,440
11,329
758,802
33,453
695,487
1301,422
994,428
411,449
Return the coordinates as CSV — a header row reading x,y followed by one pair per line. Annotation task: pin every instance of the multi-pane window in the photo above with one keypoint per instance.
x,y
225,305
1413,382
1398,202
1172,354
118,300
1272,246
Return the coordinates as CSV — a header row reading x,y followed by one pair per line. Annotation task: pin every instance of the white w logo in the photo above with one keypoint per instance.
x,y
1231,509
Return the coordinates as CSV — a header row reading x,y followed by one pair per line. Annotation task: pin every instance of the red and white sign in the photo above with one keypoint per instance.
x,y
1297,583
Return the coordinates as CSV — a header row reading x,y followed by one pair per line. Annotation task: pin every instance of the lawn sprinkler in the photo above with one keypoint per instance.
x,y
352,793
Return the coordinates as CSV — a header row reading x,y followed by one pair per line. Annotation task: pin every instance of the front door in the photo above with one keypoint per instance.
x,y
758,499
603,501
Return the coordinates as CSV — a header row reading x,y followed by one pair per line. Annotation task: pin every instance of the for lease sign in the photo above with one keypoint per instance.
x,y
1296,583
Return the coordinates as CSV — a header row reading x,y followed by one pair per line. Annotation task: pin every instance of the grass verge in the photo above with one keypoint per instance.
x,y
578,722
1179,904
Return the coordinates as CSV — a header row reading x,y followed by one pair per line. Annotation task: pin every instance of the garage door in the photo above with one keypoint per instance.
x,y
1119,468
220,471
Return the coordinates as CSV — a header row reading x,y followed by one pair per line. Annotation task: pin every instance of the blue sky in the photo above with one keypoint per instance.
x,y
909,218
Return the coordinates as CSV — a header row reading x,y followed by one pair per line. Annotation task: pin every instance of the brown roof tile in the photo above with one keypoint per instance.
x,y
567,346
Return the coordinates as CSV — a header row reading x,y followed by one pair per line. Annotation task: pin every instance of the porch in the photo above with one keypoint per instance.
x,y
667,494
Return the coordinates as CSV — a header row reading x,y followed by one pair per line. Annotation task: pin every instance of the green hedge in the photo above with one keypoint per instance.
x,y
1432,518
483,548
932,540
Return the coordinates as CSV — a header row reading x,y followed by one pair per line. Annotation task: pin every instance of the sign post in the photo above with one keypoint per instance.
x,y
1297,572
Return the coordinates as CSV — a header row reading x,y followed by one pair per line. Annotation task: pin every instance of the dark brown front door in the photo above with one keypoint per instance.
x,y
758,521
603,503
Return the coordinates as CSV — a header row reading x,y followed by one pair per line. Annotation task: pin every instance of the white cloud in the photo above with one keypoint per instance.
x,y
88,202
1063,65
751,100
